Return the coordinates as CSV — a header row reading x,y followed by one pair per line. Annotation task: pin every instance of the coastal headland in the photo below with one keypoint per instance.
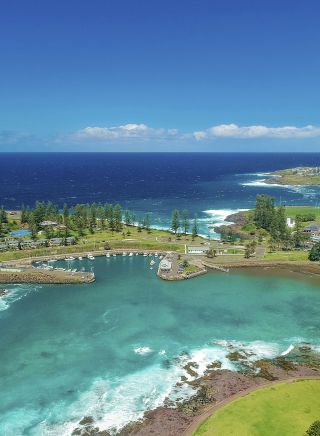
x,y
295,176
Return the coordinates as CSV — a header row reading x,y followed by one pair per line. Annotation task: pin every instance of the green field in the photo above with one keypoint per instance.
x,y
286,255
287,409
292,211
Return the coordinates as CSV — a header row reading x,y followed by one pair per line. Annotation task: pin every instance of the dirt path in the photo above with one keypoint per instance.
x,y
212,409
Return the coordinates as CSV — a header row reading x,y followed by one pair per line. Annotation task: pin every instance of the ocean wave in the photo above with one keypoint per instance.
x,y
218,216
142,350
16,293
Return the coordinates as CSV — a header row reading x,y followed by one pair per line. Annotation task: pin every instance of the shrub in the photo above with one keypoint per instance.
x,y
314,253
314,429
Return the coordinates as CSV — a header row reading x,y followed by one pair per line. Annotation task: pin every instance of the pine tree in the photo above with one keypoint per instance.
x,y
117,216
264,211
194,228
186,221
65,214
175,222
147,222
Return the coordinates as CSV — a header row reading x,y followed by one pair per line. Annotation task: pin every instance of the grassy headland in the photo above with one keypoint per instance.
x,y
286,408
296,176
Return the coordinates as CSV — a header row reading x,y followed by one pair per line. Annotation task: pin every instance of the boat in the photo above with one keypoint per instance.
x,y
107,255
156,255
90,256
80,258
70,258
131,254
114,255
52,260
145,255
160,257
124,253
152,262
137,254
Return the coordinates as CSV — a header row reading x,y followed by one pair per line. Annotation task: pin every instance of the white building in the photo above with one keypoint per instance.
x,y
291,222
192,249
165,265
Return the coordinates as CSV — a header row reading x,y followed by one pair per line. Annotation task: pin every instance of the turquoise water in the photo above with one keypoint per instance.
x,y
117,347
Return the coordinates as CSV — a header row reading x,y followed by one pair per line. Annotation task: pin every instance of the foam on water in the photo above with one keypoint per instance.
x,y
16,293
113,403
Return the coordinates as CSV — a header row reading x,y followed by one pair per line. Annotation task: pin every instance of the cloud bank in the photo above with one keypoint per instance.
x,y
127,131
141,137
144,132
247,132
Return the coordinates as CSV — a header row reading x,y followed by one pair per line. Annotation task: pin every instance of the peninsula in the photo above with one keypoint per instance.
x,y
295,176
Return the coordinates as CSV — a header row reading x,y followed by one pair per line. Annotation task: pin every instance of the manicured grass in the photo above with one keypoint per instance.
x,y
287,409
292,211
287,255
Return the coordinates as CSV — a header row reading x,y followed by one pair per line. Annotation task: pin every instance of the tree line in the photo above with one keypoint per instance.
x,y
273,220
91,216
81,217
180,223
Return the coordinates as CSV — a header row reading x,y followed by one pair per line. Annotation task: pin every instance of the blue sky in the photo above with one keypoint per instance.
x,y
159,75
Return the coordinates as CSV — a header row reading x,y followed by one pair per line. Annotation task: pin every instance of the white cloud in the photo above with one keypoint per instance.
x,y
133,133
123,132
235,131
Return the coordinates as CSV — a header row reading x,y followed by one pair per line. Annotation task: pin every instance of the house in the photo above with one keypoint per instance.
x,y
312,228
48,224
197,250
56,241
291,222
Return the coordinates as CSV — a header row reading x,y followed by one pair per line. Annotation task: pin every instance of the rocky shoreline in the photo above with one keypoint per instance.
x,y
215,386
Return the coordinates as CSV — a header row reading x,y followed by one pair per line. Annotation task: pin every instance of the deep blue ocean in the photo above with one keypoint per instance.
x,y
211,185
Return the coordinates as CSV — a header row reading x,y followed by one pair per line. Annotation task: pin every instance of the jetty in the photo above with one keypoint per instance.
x,y
216,267
38,275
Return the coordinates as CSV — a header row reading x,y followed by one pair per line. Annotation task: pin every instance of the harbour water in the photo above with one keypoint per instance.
x,y
115,348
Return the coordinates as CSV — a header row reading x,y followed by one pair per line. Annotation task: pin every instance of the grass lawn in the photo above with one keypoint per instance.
x,y
286,255
292,211
287,409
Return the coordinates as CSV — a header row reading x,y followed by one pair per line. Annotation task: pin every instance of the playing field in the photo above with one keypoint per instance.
x,y
286,409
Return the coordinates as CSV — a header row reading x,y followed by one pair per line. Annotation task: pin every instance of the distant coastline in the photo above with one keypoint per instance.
x,y
298,176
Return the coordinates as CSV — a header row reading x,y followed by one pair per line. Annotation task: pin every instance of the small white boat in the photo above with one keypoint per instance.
x,y
124,253
152,262
90,256
160,257
70,258
150,254
114,255
156,255
107,255
137,254
52,260
80,258
131,254
145,255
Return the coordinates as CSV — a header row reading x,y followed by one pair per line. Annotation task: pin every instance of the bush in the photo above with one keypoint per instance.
x,y
314,253
314,429
306,217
